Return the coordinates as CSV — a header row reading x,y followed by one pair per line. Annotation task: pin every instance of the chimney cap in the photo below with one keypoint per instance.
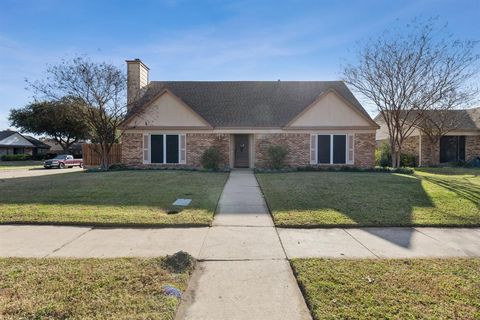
x,y
137,60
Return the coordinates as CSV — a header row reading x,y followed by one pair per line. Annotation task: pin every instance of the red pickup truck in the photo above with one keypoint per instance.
x,y
63,161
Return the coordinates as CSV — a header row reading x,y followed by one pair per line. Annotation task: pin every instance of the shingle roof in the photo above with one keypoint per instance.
x,y
248,103
6,133
37,143
469,119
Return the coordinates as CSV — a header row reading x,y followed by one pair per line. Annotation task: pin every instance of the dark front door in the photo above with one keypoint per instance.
x,y
241,151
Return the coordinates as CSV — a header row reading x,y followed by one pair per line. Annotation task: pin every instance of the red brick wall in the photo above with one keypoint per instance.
x,y
297,144
364,150
472,147
429,156
411,145
197,143
132,149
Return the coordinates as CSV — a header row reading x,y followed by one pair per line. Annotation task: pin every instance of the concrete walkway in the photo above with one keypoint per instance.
x,y
244,273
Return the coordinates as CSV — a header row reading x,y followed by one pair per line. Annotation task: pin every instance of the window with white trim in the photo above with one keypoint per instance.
x,y
331,149
164,148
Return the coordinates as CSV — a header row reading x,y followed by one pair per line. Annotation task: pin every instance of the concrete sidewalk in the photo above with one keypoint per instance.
x,y
238,242
84,242
381,242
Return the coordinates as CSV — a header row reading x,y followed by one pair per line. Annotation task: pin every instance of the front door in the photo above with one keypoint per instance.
x,y
241,151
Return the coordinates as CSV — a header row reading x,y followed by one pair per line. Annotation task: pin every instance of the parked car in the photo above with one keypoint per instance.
x,y
62,161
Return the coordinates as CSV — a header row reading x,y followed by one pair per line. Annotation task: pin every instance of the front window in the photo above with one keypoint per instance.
x,y
332,149
164,148
452,149
60,157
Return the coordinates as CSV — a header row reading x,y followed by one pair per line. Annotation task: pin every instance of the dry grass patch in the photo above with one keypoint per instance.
x,y
87,288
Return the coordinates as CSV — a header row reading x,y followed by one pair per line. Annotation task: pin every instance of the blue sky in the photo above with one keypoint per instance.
x,y
204,40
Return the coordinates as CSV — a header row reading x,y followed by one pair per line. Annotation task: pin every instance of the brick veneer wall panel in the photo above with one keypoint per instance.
x,y
472,147
430,156
132,149
364,150
298,145
411,145
197,143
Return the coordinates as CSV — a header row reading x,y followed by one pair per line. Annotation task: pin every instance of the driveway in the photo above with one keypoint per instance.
x,y
23,173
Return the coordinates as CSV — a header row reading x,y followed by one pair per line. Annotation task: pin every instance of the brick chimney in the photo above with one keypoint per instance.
x,y
137,78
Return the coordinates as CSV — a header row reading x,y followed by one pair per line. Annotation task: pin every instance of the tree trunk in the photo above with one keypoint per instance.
x,y
104,155
394,158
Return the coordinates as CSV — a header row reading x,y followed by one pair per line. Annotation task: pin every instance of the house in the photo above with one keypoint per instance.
x,y
12,142
55,148
460,144
174,122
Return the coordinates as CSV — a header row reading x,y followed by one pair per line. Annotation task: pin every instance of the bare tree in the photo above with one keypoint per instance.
x,y
408,73
101,87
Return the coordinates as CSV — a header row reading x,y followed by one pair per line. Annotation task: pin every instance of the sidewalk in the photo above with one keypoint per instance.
x,y
84,242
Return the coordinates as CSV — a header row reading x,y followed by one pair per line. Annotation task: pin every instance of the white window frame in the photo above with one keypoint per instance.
x,y
180,149
347,148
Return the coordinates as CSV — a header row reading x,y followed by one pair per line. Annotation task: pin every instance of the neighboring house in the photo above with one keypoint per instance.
x,y
174,122
12,142
461,144
55,148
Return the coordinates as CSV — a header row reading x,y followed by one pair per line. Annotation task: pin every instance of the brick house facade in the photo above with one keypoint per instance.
x,y
174,123
459,145
297,144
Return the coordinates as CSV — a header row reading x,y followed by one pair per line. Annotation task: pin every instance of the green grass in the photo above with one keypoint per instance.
x,y
434,197
121,197
19,165
87,289
390,289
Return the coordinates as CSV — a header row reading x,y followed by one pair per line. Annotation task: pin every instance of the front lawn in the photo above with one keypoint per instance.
x,y
111,198
390,289
19,165
87,289
435,197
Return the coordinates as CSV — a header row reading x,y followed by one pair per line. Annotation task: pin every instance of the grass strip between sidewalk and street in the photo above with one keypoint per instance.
x,y
87,288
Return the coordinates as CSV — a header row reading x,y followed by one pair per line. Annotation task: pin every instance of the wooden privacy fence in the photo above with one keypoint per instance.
x,y
91,155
